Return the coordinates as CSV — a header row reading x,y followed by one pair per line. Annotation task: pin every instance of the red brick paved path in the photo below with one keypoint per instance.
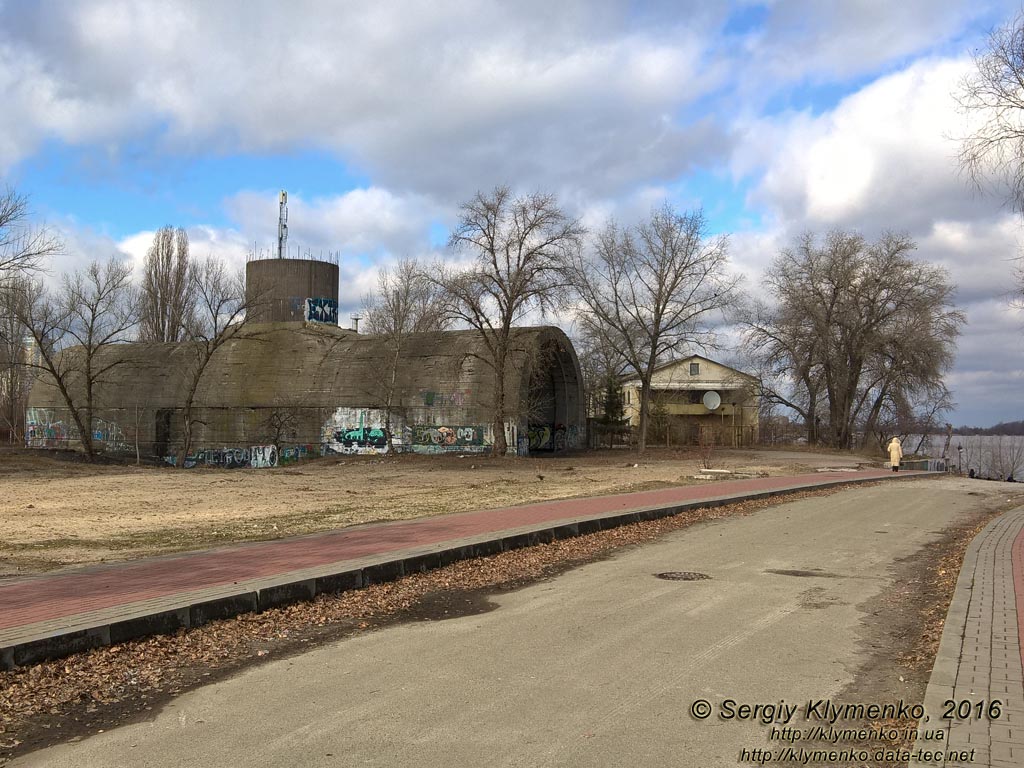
x,y
49,597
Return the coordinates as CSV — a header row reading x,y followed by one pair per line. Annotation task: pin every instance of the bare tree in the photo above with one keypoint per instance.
x,y
602,367
652,290
168,302
519,246
1004,457
706,446
783,351
282,421
910,413
406,302
15,376
222,309
993,96
22,247
857,329
74,331
1019,275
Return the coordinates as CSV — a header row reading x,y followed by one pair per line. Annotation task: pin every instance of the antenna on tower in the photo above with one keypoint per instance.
x,y
282,226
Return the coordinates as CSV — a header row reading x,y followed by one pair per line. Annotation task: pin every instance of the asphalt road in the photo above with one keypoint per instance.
x,y
596,667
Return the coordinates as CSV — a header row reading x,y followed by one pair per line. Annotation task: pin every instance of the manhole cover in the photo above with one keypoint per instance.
x,y
682,576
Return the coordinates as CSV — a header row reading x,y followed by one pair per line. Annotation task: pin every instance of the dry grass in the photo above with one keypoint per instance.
x,y
58,513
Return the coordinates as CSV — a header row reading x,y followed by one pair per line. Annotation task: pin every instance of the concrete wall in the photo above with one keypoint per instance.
x,y
309,389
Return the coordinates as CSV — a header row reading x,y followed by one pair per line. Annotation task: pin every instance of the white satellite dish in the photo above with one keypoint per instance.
x,y
711,400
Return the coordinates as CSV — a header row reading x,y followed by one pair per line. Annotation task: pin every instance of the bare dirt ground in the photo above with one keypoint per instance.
x,y
90,692
56,511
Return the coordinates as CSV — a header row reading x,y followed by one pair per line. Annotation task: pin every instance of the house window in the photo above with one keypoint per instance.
x,y
694,369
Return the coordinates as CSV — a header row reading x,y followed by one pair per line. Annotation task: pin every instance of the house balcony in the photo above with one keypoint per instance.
x,y
697,409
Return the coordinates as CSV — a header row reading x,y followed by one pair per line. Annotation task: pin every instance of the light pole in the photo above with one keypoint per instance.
x,y
960,459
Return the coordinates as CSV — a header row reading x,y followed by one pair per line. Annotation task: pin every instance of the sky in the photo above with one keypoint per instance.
x,y
380,118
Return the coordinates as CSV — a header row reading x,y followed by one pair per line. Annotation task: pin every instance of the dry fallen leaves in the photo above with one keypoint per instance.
x,y
128,678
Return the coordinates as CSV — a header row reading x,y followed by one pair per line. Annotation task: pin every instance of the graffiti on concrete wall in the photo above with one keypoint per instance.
x,y
43,430
322,311
572,437
361,440
454,399
108,435
540,437
556,437
293,453
356,431
442,439
256,457
225,458
263,456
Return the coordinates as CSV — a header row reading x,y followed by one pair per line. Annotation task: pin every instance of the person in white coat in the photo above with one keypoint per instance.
x,y
895,453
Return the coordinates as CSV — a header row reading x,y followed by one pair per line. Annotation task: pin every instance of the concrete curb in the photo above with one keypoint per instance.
x,y
947,659
944,683
44,641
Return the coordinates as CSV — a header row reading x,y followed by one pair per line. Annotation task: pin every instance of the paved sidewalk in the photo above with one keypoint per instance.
x,y
52,615
980,655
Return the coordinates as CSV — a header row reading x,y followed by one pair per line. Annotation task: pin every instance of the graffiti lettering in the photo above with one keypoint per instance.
x,y
42,430
557,437
263,456
322,311
356,431
224,458
109,435
296,453
439,439
540,438
358,441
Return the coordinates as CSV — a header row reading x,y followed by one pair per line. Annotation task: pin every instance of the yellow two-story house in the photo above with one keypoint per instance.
x,y
696,396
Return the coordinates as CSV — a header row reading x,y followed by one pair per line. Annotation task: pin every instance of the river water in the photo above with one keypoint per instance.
x,y
996,456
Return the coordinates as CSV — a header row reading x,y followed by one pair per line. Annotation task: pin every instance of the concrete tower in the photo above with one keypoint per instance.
x,y
291,290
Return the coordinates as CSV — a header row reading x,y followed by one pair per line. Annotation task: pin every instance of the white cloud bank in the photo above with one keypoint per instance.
x,y
885,159
610,104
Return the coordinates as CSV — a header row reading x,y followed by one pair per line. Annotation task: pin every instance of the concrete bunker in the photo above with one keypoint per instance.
x,y
292,389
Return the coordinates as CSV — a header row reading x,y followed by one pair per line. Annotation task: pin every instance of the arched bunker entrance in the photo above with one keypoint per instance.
x,y
552,407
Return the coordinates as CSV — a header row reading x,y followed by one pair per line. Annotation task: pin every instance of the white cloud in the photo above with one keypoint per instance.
x,y
425,96
228,245
883,155
364,229
883,160
981,255
370,221
609,104
807,40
